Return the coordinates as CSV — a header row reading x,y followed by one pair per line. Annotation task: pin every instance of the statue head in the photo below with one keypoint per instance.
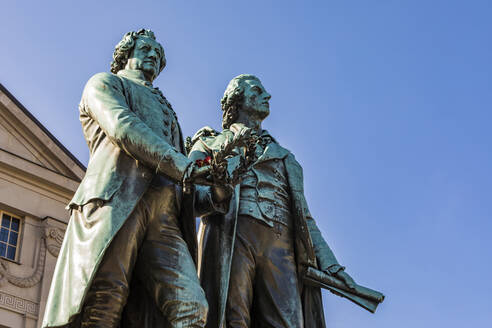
x,y
139,51
244,95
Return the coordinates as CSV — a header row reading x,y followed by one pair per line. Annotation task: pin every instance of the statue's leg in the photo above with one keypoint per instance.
x,y
277,296
241,284
109,290
165,266
263,290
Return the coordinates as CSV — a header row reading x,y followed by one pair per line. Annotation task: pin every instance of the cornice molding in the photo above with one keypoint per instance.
x,y
36,175
40,140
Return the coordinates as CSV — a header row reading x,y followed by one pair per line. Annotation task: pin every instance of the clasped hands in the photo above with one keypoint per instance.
x,y
223,168
220,192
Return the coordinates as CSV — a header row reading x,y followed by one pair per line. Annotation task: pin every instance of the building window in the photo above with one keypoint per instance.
x,y
9,235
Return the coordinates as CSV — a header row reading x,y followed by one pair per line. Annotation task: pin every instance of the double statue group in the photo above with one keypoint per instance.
x,y
131,256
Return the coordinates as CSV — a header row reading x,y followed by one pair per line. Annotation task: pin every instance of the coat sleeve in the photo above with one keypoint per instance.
x,y
105,102
324,255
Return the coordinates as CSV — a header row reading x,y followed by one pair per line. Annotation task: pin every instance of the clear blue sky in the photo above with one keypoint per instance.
x,y
386,104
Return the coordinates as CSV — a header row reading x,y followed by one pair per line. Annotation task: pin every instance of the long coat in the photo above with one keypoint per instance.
x,y
217,236
122,124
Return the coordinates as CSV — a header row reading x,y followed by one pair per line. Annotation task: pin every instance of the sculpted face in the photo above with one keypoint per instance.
x,y
146,57
256,100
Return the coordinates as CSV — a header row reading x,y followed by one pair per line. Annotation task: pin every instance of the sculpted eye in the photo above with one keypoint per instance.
x,y
257,89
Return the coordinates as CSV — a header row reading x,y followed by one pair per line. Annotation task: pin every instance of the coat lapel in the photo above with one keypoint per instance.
x,y
272,151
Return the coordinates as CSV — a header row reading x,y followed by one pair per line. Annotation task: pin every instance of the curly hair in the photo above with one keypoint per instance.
x,y
233,98
124,49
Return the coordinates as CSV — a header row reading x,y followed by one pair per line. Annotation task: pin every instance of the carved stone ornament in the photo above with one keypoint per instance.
x,y
52,241
24,282
18,304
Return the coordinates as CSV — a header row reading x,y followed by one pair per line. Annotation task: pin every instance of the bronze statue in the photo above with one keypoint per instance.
x,y
129,253
132,230
253,256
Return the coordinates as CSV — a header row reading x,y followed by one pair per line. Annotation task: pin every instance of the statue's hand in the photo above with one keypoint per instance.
x,y
199,173
346,278
221,193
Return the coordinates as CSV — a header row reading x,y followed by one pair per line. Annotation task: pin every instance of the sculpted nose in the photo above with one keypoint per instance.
x,y
152,54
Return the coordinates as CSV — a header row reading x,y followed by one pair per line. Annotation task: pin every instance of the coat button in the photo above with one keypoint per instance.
x,y
165,133
166,123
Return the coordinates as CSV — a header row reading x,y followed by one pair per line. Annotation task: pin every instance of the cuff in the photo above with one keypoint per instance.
x,y
175,166
185,180
334,269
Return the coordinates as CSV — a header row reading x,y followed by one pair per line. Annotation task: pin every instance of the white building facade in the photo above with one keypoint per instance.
x,y
38,177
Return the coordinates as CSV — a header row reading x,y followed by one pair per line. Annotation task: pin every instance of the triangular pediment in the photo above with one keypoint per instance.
x,y
16,144
22,136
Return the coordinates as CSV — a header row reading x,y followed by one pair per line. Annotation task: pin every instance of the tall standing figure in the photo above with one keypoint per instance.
x,y
131,229
253,257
